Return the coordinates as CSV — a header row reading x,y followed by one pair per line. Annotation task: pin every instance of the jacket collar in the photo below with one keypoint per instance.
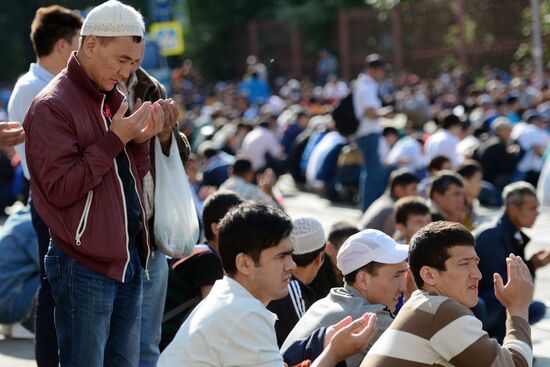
x,y
508,227
75,72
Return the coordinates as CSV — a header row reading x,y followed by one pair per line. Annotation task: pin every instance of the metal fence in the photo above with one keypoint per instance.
x,y
420,36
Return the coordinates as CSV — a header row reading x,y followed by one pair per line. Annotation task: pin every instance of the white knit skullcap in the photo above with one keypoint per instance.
x,y
307,235
113,19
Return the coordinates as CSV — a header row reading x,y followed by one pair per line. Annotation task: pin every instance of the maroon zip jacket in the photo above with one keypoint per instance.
x,y
74,179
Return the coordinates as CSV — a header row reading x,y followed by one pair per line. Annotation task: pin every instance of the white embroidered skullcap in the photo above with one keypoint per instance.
x,y
307,235
113,19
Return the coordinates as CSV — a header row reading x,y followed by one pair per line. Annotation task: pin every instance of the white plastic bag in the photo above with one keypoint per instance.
x,y
176,224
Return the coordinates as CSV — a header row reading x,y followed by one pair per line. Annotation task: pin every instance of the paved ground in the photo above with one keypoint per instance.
x,y
19,353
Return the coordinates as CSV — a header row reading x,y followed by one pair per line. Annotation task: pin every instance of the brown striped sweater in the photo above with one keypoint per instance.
x,y
433,330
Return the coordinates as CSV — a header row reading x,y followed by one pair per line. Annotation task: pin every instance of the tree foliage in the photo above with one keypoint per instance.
x,y
525,49
213,24
15,25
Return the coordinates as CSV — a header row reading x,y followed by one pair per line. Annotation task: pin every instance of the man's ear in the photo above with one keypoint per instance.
x,y
91,43
362,280
214,229
428,275
244,263
398,191
512,211
436,197
60,45
320,258
330,249
401,228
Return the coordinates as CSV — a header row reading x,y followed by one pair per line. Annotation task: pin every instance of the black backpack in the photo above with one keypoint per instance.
x,y
345,121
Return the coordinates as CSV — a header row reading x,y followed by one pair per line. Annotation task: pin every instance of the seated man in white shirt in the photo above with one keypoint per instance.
x,y
241,181
533,137
446,139
261,144
232,326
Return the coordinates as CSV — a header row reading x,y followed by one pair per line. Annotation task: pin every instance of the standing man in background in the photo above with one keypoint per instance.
x,y
142,86
54,35
367,106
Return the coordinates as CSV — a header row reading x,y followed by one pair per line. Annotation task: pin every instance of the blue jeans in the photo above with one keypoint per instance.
x,y
372,182
152,309
97,319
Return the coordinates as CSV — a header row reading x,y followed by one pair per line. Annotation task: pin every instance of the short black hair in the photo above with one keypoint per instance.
x,y
430,246
441,182
410,205
340,231
307,258
374,61
449,120
515,193
437,162
216,207
371,268
250,228
51,24
210,152
390,130
401,177
241,166
469,168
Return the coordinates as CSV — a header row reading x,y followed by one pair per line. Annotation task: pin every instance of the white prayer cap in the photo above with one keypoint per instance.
x,y
307,235
113,19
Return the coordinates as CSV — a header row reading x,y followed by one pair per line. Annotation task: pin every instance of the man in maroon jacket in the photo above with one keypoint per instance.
x,y
87,162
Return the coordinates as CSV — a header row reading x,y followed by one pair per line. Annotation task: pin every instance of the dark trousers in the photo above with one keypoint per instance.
x,y
45,347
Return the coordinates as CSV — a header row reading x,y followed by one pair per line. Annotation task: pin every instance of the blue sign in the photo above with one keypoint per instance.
x,y
163,11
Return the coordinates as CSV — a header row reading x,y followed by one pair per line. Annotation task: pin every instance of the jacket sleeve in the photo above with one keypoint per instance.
x,y
307,349
60,167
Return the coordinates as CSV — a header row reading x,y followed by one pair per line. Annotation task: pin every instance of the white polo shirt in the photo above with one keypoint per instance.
x,y
407,153
24,91
530,136
228,328
366,96
257,143
442,142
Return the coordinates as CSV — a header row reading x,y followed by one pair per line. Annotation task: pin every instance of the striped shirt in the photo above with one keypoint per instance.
x,y
433,330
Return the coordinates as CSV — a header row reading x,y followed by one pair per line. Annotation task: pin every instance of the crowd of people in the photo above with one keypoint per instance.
x,y
417,280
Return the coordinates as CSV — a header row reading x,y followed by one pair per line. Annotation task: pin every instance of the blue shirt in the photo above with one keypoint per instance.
x,y
311,144
24,91
19,266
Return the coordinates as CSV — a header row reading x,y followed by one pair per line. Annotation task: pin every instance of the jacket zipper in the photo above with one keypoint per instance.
x,y
84,218
123,199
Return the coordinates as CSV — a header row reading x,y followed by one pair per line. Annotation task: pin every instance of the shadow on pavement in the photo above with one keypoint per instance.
x,y
17,348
